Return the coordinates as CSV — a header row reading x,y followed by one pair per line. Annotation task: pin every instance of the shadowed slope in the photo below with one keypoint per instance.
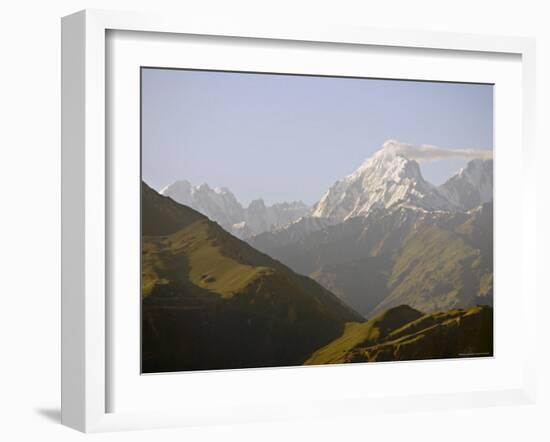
x,y
431,261
212,301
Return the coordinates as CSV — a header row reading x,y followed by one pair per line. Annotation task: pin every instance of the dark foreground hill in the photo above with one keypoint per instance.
x,y
403,334
211,301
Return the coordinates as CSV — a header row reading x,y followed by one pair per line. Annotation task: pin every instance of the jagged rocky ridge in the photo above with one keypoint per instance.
x,y
386,180
471,186
220,205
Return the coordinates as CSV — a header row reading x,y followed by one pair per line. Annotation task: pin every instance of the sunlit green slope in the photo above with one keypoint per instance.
x,y
403,333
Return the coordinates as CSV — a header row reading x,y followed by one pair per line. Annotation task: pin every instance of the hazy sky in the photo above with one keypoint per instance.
x,y
284,138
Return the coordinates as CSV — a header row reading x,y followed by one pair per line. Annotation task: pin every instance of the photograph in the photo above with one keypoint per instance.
x,y
296,220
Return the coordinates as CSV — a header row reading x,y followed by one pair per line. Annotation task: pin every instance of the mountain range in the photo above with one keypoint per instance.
x,y
386,228
429,260
386,180
220,205
385,266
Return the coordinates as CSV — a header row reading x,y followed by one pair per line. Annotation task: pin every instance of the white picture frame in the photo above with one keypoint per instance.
x,y
86,204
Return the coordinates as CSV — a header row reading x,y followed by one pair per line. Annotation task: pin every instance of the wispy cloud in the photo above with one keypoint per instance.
x,y
427,152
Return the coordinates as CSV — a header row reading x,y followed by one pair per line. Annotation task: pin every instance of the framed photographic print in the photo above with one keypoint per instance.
x,y
267,223
349,259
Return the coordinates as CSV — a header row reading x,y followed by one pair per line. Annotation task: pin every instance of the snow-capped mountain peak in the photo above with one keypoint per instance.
x,y
220,205
386,166
470,186
387,179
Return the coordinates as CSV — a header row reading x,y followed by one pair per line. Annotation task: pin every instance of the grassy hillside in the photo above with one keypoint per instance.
x,y
364,334
444,265
211,301
403,334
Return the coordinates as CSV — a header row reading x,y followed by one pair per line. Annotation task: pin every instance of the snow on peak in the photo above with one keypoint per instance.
x,y
389,162
470,186
220,205
221,190
386,179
